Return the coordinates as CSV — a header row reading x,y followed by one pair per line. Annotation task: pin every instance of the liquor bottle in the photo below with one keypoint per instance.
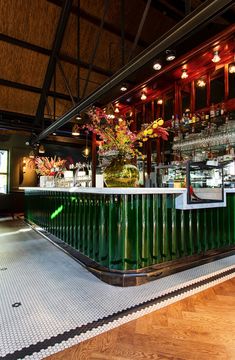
x,y
212,111
173,122
193,118
217,112
190,118
177,123
182,121
223,109
186,119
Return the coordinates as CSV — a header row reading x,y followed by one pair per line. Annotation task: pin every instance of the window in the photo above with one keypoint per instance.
x,y
3,171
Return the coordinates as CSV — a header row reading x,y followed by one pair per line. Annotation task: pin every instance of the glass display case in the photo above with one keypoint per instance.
x,y
204,182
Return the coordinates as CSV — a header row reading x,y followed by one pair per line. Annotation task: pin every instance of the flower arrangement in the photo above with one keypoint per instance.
x,y
46,166
116,136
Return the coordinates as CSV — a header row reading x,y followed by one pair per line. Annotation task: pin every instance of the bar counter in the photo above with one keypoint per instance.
x,y
127,236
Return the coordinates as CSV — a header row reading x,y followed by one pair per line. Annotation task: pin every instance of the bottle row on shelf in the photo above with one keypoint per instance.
x,y
193,122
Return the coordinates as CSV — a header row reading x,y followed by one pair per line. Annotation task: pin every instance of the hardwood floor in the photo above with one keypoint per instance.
x,y
199,327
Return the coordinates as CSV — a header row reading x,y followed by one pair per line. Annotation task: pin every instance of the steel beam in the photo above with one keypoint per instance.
x,y
98,35
141,24
33,89
66,82
96,21
44,51
122,24
64,16
202,15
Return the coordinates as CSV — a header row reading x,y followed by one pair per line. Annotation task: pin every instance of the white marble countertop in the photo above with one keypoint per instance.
x,y
111,191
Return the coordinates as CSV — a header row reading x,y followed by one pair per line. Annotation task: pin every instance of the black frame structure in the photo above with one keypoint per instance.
x,y
205,13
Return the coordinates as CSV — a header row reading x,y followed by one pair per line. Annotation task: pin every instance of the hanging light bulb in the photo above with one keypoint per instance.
x,y
159,101
86,151
184,74
116,110
216,57
201,83
75,130
41,149
157,66
143,96
78,117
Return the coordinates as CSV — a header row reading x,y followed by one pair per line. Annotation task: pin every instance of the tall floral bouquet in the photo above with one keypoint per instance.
x,y
46,166
116,136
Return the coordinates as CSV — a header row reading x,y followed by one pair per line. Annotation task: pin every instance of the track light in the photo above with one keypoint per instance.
x,y
75,130
184,74
170,55
143,96
31,154
41,149
157,65
201,83
216,57
123,88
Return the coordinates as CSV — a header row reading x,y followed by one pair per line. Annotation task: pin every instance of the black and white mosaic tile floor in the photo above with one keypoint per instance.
x,y
49,302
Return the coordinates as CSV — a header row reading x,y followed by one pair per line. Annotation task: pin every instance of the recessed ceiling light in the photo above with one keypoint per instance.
x,y
157,65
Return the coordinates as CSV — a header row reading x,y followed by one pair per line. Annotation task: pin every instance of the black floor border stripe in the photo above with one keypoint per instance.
x,y
43,345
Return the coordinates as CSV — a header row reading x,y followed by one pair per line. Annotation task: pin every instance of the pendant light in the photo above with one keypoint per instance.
x,y
216,58
86,151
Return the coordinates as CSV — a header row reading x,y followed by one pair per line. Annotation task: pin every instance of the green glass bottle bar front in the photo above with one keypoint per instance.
x,y
129,232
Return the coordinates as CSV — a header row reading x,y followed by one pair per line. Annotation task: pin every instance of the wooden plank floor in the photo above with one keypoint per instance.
x,y
199,327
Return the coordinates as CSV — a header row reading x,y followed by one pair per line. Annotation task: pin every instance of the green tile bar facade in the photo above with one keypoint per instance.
x,y
131,231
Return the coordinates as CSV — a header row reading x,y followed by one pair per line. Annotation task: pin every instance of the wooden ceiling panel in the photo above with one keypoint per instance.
x,y
62,106
16,100
33,21
108,55
22,65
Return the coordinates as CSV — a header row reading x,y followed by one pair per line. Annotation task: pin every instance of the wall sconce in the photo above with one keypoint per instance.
x,y
24,163
159,101
143,96
216,57
201,83
170,55
157,66
75,130
231,68
184,74
41,149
